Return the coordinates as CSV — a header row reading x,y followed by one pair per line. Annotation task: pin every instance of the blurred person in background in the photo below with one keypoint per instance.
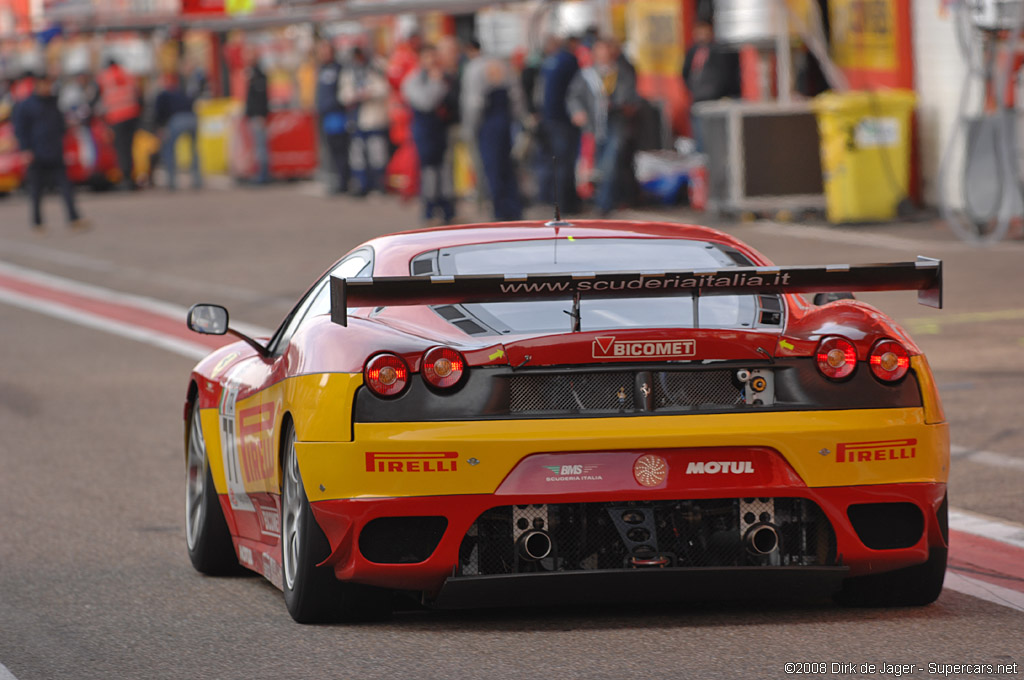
x,y
364,89
452,60
78,97
491,105
471,86
334,119
425,90
40,131
561,138
404,59
174,116
601,99
22,88
119,97
538,154
257,110
710,71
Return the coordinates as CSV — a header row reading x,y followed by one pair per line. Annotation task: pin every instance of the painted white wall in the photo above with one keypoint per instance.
x,y
938,73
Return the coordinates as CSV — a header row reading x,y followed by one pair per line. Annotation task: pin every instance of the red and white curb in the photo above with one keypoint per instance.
x,y
986,558
135,317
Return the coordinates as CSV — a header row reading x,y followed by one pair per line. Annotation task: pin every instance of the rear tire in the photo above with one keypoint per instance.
x,y
206,531
313,594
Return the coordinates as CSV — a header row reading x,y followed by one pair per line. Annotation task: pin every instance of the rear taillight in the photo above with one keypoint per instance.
x,y
889,360
386,374
443,367
837,357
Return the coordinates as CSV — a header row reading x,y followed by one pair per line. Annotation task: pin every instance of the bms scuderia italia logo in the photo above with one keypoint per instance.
x,y
573,473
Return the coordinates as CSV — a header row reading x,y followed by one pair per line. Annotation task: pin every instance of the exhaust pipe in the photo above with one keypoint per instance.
x,y
534,545
761,539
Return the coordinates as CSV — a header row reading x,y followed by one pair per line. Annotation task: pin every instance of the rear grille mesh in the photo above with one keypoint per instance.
x,y
616,391
572,392
696,389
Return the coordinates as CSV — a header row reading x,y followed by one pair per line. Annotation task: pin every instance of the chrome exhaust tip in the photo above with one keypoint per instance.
x,y
762,539
534,545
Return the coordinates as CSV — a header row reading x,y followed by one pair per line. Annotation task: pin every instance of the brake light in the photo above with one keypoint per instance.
x,y
889,360
443,367
837,357
386,374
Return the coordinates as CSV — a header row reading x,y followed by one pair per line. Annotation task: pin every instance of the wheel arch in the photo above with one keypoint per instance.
x,y
191,400
286,421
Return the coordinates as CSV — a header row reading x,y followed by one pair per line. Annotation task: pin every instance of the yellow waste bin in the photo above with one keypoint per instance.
x,y
214,117
865,153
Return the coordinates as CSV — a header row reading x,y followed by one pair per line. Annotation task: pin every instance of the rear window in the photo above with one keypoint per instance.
x,y
561,256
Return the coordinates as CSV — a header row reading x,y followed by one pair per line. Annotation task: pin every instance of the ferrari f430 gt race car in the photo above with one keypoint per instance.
x,y
550,412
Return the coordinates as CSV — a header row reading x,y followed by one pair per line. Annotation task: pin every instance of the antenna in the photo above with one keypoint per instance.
x,y
558,186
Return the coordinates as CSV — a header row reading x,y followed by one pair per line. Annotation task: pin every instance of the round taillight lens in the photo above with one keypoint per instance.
x,y
386,374
889,360
443,367
837,357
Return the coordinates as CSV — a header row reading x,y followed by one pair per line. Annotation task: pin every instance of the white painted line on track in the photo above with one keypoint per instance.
x,y
990,458
1009,533
96,264
989,592
101,323
152,305
6,674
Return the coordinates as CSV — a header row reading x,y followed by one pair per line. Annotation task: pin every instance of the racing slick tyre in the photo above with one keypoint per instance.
x,y
312,593
206,531
909,587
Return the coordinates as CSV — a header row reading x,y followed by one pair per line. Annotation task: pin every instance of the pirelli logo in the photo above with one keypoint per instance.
x,y
607,347
867,452
411,462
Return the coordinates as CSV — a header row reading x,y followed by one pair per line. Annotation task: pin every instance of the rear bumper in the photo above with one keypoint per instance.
x,y
343,520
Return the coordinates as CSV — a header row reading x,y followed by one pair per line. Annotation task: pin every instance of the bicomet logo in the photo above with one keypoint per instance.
x,y
865,452
411,462
607,347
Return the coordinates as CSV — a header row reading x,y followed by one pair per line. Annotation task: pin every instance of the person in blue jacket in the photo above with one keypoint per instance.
x,y
561,137
426,90
39,127
332,114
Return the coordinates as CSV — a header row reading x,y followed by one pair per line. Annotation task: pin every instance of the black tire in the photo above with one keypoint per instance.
x,y
313,594
909,587
206,531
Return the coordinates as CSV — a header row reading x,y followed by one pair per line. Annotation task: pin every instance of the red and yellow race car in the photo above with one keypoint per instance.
x,y
590,411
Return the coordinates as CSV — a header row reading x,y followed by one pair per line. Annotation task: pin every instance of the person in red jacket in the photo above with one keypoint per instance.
x,y
119,97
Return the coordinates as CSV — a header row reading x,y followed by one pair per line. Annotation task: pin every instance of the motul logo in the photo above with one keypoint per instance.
x,y
411,462
607,347
721,467
865,452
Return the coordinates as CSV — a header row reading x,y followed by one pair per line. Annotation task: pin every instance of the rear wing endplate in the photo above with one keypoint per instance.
x,y
924,276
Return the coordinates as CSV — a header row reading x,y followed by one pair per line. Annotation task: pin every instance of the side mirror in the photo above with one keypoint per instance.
x,y
825,298
208,319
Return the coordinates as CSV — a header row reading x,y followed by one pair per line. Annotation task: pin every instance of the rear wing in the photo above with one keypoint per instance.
x,y
924,276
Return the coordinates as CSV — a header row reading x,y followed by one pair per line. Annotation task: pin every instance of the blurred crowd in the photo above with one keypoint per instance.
x,y
520,120
387,124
